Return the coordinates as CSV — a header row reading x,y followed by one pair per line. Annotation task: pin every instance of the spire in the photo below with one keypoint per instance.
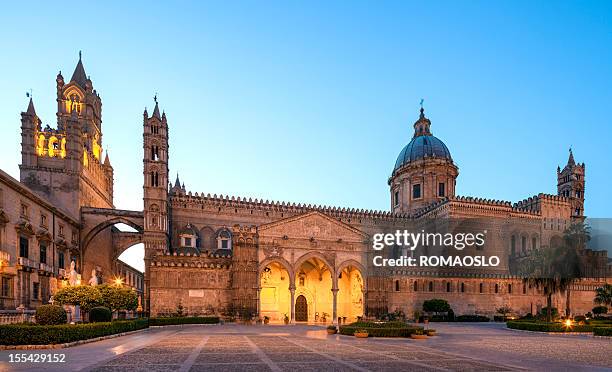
x,y
177,182
107,160
156,110
31,110
421,126
571,161
79,76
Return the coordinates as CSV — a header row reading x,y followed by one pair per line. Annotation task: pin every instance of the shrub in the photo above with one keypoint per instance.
x,y
384,329
436,305
332,327
117,297
85,296
580,318
50,314
602,331
184,320
472,318
100,314
548,327
27,334
553,311
598,310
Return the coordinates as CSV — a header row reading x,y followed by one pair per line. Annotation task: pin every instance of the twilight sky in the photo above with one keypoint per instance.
x,y
312,101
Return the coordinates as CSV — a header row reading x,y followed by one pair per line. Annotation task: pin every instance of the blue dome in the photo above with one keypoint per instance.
x,y
425,146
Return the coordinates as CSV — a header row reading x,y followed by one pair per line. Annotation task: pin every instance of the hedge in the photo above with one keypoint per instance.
x,y
100,314
548,327
50,315
386,329
602,331
183,320
471,318
31,334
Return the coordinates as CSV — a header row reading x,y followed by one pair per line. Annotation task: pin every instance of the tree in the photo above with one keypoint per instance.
x,y
576,237
598,310
504,310
552,270
85,296
436,305
118,298
603,295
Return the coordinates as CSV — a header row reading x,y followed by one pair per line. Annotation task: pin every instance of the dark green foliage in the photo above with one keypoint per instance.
x,y
597,310
436,305
603,295
85,296
50,315
602,331
184,320
27,334
472,318
383,329
100,314
548,327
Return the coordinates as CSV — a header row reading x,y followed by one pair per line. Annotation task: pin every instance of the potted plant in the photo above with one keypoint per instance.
x,y
331,329
286,319
361,333
266,319
430,332
418,335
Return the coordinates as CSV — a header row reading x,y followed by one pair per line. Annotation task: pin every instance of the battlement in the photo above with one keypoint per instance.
x,y
197,200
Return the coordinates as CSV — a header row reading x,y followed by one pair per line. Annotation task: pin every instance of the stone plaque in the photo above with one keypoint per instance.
x,y
196,293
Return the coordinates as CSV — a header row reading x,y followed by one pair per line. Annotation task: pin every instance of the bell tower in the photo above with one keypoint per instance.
x,y
570,184
155,188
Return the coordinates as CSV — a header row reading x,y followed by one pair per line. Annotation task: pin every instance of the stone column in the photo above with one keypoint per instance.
x,y
292,290
335,306
259,303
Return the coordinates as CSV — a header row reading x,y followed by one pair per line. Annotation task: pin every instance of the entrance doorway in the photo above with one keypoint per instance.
x,y
301,309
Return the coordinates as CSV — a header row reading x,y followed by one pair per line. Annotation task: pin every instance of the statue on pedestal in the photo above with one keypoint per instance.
x,y
93,281
73,278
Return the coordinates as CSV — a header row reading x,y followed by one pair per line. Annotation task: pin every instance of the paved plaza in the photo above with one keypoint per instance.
x,y
459,347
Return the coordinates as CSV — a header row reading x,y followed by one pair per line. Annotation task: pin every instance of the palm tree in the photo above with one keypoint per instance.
x,y
603,295
553,270
576,236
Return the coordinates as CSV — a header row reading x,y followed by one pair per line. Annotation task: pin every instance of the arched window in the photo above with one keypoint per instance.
x,y
224,239
397,286
462,287
509,288
496,288
534,243
481,288
431,286
416,286
524,289
523,244
448,287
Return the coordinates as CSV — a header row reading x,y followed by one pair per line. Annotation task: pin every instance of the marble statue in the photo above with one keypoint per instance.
x,y
73,277
94,278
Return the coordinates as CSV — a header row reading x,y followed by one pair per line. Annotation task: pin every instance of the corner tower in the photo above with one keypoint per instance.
x,y
64,164
570,184
424,171
155,188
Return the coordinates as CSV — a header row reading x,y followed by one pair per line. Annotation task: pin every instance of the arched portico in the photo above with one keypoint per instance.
x,y
276,289
314,279
351,290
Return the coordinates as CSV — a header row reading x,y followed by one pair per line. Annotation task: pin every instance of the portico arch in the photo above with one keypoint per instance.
x,y
276,289
314,279
351,290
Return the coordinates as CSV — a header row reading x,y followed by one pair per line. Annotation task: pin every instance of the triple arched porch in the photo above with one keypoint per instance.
x,y
311,290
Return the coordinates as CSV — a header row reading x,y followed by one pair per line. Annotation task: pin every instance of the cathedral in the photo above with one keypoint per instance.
x,y
230,255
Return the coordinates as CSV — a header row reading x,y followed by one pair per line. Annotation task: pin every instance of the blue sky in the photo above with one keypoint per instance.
x,y
312,101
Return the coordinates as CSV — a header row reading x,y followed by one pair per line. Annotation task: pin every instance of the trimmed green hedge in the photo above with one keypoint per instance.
x,y
548,327
31,334
184,320
385,329
602,331
472,318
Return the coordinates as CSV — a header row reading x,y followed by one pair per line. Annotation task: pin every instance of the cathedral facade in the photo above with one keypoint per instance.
x,y
231,255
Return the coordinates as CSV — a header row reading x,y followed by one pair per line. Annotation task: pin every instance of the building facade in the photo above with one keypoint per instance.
x,y
249,257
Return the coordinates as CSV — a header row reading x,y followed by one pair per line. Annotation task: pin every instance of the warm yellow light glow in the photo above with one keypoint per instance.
x,y
97,150
40,145
118,281
63,148
85,159
53,144
568,323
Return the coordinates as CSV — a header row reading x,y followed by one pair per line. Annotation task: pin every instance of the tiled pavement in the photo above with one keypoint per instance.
x,y
309,348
